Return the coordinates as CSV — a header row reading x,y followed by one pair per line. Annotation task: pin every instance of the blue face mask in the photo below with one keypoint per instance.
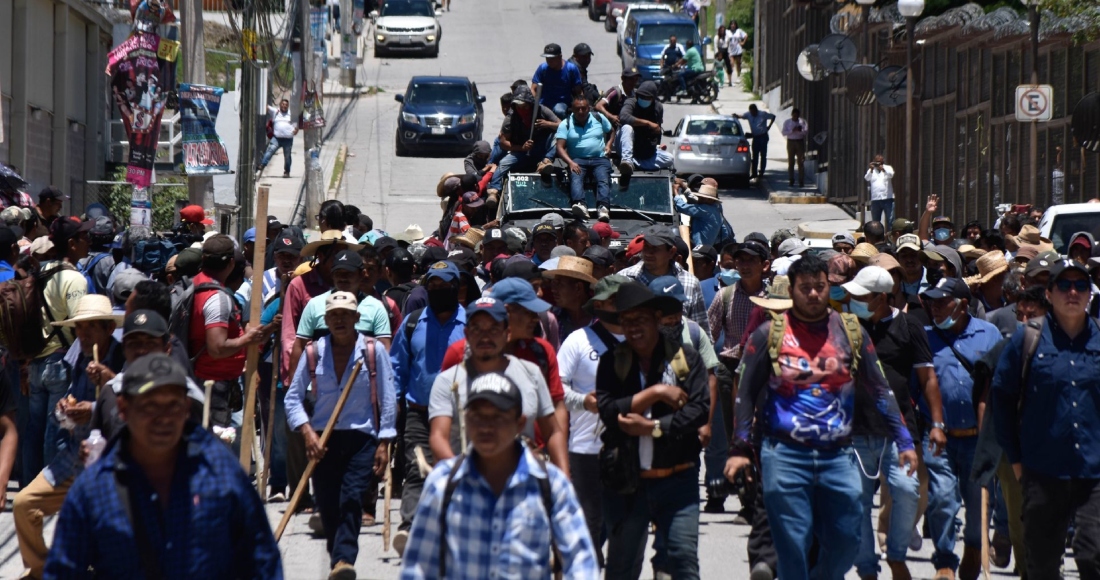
x,y
837,293
860,309
949,321
728,277
644,103
941,234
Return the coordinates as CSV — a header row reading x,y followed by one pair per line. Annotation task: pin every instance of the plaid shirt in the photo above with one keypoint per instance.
x,y
213,527
16,198
734,321
499,537
694,308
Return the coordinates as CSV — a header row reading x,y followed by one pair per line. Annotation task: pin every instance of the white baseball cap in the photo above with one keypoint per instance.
x,y
868,280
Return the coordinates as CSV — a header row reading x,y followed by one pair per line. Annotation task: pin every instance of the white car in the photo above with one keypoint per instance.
x,y
407,26
713,145
1060,222
634,8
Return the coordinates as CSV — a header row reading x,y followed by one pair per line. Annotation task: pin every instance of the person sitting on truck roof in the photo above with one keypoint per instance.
x,y
640,135
584,143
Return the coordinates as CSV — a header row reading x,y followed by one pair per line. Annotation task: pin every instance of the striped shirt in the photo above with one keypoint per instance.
x,y
734,321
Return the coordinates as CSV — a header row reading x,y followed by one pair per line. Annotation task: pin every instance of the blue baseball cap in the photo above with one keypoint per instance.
x,y
443,270
250,235
490,306
948,287
668,286
521,292
117,242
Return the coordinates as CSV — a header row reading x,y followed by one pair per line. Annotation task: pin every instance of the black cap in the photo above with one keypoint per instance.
x,y
495,389
273,223
188,261
64,229
520,267
631,72
9,236
463,257
758,237
218,245
51,192
582,49
754,248
144,322
647,90
348,260
599,256
385,242
288,244
551,50
432,255
1066,265
948,287
544,228
400,257
636,295
681,246
705,251
656,235
151,372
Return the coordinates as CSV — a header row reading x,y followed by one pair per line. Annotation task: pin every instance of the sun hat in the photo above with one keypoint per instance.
x,y
91,307
863,252
884,261
708,193
572,267
328,238
990,265
779,295
411,234
470,238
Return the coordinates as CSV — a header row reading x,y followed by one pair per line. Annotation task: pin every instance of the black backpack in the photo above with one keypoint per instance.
x,y
180,322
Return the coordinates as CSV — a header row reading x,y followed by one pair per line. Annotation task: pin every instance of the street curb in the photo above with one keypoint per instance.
x,y
338,171
797,199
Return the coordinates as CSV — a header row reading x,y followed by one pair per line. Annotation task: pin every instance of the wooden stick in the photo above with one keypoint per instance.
x,y
422,462
985,532
461,416
387,495
304,482
208,388
252,362
685,234
95,357
535,116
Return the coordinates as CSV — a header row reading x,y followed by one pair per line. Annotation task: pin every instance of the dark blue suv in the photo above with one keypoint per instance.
x,y
439,115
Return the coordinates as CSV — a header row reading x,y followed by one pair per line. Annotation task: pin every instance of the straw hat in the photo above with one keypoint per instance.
x,y
970,252
991,264
779,295
470,238
708,193
884,261
91,307
411,234
863,252
439,187
328,237
1029,234
572,267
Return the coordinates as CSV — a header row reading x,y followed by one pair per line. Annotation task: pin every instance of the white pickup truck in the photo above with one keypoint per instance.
x,y
1060,222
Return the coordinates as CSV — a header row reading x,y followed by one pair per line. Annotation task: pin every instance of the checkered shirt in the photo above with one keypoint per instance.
x,y
694,307
734,321
505,537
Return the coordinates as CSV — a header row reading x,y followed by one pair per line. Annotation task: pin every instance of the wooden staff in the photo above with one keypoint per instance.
x,y
985,531
461,416
269,425
95,357
208,388
685,234
387,495
252,362
535,116
304,482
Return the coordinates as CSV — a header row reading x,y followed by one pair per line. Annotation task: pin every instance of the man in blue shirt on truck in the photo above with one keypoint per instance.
x,y
560,80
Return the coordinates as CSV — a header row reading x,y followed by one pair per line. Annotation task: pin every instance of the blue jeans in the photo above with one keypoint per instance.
x,y
807,493
286,143
497,153
38,429
904,491
949,488
686,77
277,470
882,208
601,168
759,155
661,159
672,503
523,162
561,110
339,480
716,453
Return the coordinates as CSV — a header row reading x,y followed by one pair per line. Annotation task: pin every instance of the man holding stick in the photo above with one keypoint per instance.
x,y
358,446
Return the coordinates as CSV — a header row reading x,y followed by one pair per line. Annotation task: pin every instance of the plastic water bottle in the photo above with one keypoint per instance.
x,y
96,444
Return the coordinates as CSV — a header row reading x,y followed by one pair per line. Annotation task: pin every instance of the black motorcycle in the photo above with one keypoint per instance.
x,y
702,89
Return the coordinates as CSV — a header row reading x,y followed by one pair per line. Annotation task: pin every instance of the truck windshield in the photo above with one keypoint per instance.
x,y
645,194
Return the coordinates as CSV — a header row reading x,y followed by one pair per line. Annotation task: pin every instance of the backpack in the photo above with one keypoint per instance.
x,y
22,303
179,324
547,503
400,294
89,267
151,256
372,368
410,325
852,329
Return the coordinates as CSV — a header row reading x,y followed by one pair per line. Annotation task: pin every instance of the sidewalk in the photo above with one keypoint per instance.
x,y
284,192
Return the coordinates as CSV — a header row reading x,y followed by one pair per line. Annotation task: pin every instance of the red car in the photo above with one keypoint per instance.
x,y
595,8
615,9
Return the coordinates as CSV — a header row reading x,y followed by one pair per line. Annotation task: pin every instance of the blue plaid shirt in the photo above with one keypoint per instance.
x,y
693,306
505,537
214,526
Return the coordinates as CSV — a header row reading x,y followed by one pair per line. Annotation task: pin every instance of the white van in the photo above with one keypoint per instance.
x,y
1060,222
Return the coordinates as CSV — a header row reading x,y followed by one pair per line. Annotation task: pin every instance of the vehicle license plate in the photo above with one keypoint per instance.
x,y
438,130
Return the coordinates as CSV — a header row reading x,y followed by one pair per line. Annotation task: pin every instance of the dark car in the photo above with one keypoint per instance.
x,y
646,37
439,115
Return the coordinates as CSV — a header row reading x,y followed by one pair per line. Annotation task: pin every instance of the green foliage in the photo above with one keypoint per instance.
x,y
118,197
743,11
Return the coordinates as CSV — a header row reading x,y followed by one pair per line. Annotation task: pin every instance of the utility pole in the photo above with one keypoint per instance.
x,y
246,161
200,188
310,75
348,56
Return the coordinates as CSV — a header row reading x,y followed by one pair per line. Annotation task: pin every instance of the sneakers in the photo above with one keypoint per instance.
x,y
626,169
915,541
605,214
545,169
761,571
944,574
342,571
315,524
899,570
580,211
1002,550
278,497
715,505
399,540
286,174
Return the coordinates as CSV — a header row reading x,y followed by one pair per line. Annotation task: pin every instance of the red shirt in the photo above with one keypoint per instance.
x,y
523,350
214,309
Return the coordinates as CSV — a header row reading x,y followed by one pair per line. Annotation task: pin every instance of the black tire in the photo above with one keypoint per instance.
x,y
618,49
592,14
399,147
708,95
434,52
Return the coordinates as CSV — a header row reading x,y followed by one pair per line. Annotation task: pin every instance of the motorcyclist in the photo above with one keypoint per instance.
x,y
692,62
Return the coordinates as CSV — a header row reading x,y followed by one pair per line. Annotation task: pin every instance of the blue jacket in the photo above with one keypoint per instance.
x,y
706,220
1060,401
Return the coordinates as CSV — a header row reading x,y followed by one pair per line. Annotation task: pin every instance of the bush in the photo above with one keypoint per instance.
x,y
119,196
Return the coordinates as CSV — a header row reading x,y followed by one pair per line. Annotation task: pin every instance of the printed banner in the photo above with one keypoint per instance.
x,y
141,208
313,115
138,84
203,150
318,24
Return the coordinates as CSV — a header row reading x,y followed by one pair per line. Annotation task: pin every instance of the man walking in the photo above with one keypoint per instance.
x,y
796,130
283,131
799,371
659,259
880,177
584,144
760,122
1044,411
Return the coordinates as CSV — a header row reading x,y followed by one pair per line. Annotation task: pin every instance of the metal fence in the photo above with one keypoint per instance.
x,y
968,148
166,199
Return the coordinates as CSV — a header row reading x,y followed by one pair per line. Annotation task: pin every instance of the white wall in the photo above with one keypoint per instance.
x,y
40,58
78,73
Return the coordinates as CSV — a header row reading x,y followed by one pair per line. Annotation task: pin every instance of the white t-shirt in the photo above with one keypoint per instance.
x,y
282,123
527,376
881,185
578,359
736,39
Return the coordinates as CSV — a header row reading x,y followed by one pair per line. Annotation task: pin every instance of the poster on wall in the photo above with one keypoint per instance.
x,y
203,150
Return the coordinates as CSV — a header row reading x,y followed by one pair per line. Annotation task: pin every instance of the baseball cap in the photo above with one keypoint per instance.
x,y
347,260
218,245
1040,264
102,227
521,267
705,251
1081,239
1066,265
792,247
67,228
124,283
144,322
273,223
51,192
443,270
95,210
554,219
634,247
668,286
493,235
631,72
495,389
195,214
560,251
341,301
582,49
942,219
844,238
287,244
909,241
488,305
868,280
884,261
758,238
551,50
400,257
948,288
544,228
516,239
647,90
15,215
599,256
605,230
462,257
518,291
8,236
432,255
900,225
607,287
658,236
151,372
188,261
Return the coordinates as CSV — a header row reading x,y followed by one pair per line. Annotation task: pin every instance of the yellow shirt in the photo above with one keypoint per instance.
x,y
61,293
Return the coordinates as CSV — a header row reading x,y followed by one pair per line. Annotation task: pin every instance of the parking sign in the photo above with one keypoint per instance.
x,y
1034,102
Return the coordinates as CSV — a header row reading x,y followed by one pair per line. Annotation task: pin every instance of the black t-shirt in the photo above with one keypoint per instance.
x,y
900,343
517,131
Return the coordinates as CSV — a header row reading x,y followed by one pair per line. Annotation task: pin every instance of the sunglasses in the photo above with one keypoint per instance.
x,y
1081,286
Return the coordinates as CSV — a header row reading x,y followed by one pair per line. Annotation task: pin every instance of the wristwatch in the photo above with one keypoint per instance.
x,y
657,430
939,426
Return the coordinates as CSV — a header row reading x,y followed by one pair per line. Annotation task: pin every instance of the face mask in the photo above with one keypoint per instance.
x,y
837,293
941,234
728,277
674,333
949,321
443,299
644,103
933,275
860,309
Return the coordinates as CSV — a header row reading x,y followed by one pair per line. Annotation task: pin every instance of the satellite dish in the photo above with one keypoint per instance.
x,y
1085,123
837,52
809,64
889,86
860,82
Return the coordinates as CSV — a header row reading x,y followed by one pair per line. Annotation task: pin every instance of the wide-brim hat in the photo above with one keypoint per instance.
x,y
863,252
328,238
991,264
779,295
707,192
443,181
572,267
470,238
91,307
971,252
413,233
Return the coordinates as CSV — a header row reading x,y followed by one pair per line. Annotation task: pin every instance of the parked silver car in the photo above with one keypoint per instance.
x,y
713,145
